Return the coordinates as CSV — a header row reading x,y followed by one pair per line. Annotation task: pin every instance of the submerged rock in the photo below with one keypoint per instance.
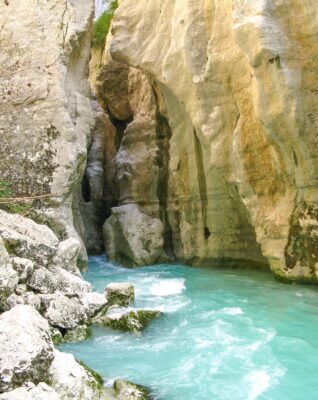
x,y
73,380
126,390
26,348
132,237
131,320
31,392
120,294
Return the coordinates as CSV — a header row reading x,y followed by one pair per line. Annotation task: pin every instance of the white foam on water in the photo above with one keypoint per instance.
x,y
168,287
232,311
259,381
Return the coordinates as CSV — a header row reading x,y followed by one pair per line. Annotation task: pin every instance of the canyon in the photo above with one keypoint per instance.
x,y
189,136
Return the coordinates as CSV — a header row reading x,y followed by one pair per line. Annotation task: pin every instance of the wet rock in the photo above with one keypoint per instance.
x,y
72,380
62,311
131,320
8,277
31,392
24,267
93,303
48,281
26,348
132,237
126,390
120,294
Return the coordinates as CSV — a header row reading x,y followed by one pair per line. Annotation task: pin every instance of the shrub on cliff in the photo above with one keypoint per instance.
x,y
102,25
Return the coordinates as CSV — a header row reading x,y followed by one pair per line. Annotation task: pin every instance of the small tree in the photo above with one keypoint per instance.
x,y
102,25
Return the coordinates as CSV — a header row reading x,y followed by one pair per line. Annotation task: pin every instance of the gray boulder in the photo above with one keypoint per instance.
x,y
132,237
120,294
26,348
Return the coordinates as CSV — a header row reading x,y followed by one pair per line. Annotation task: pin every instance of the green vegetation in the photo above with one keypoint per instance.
x,y
102,25
9,202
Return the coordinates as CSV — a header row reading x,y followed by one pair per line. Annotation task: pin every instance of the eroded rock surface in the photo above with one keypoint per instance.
x,y
26,348
132,237
240,106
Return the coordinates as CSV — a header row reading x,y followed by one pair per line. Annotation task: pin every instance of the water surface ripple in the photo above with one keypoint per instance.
x,y
225,335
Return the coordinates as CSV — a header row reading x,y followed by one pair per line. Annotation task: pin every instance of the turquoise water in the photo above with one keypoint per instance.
x,y
224,335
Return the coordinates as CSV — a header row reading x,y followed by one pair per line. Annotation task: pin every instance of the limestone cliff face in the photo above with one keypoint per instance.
x,y
46,116
236,82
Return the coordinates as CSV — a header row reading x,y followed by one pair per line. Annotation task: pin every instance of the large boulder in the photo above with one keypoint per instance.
x,y
48,281
31,392
120,293
62,311
72,380
26,348
132,237
8,277
128,320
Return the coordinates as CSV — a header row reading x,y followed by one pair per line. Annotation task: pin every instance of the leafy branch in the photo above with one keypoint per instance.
x,y
102,25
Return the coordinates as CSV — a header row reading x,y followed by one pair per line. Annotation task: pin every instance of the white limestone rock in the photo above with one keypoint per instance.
x,y
8,277
93,303
31,392
26,239
72,380
26,348
48,281
62,311
132,237
67,255
120,293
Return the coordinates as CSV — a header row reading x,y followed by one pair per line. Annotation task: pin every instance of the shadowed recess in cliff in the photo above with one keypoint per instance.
x,y
201,183
163,136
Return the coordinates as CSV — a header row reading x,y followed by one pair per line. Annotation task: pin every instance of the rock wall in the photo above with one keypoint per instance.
x,y
46,116
236,83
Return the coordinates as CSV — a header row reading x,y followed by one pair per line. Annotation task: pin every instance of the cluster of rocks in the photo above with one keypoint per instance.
x,y
45,301
118,315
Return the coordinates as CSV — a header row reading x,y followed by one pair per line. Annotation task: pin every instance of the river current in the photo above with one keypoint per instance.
x,y
224,335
